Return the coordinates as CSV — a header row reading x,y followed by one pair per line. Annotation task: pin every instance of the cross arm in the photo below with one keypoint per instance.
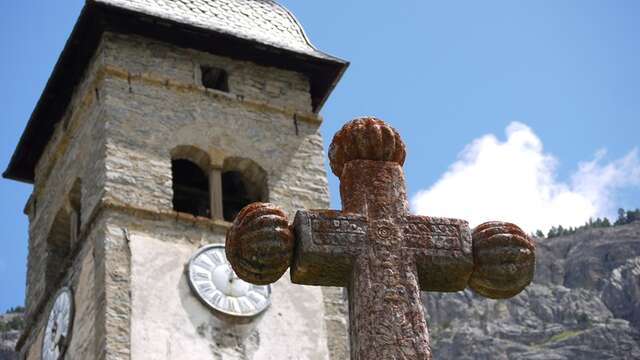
x,y
442,249
496,260
326,244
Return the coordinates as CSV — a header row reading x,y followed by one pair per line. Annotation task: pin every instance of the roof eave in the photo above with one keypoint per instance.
x,y
324,70
14,171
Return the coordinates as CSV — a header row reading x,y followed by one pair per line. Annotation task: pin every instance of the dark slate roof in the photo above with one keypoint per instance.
x,y
262,21
256,30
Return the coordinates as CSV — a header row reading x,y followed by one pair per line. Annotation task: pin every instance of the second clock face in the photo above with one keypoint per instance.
x,y
214,282
58,331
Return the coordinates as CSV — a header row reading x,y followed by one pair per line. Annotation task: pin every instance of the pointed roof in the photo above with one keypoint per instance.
x,y
261,31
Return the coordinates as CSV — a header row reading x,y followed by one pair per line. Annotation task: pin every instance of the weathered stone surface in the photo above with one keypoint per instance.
x,y
268,260
383,255
365,138
504,260
168,322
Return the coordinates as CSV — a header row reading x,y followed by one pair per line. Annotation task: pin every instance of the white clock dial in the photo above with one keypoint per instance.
x,y
58,332
212,279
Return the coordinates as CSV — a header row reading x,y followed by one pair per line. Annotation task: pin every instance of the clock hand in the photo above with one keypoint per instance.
x,y
232,274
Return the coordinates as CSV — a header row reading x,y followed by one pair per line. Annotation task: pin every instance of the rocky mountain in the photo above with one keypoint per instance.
x,y
584,303
10,326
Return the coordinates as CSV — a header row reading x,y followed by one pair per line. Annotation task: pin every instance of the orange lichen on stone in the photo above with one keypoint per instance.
x,y
365,138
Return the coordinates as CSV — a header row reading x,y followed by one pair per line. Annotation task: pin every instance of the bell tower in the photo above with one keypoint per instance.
x,y
161,120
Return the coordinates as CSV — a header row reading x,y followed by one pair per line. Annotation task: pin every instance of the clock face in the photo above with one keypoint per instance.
x,y
214,282
58,331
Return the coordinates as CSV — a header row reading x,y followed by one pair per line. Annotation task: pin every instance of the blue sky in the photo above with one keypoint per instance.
x,y
523,111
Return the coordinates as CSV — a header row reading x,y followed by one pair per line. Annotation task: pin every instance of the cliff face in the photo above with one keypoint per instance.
x,y
583,304
10,325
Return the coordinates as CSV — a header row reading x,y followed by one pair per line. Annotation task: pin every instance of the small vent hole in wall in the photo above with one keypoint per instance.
x,y
215,78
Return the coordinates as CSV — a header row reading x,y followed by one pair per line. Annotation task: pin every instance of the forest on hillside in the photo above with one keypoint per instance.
x,y
624,217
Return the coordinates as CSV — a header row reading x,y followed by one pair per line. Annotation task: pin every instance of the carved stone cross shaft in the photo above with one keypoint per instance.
x,y
383,255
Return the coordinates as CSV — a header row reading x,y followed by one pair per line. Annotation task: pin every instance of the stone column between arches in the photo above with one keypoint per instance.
x,y
215,191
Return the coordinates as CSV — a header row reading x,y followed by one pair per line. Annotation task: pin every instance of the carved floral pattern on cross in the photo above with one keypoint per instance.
x,y
375,248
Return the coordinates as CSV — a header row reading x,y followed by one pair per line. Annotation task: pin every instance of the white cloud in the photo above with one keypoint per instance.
x,y
515,181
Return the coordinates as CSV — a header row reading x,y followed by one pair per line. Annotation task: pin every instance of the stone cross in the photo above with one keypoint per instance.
x,y
375,248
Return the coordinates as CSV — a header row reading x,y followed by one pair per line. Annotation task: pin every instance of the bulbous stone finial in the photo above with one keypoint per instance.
x,y
259,244
504,260
365,138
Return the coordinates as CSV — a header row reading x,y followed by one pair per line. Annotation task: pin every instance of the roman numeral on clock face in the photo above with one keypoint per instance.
x,y
213,281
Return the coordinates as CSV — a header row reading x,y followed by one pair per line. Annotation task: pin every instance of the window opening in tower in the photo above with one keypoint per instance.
x,y
235,194
190,189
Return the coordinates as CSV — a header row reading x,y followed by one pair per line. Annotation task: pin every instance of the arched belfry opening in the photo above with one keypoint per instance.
x,y
63,238
191,188
243,182
58,249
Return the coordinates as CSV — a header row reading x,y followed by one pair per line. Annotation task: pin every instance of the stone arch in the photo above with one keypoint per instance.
x,y
243,182
75,201
58,257
193,154
190,168
63,237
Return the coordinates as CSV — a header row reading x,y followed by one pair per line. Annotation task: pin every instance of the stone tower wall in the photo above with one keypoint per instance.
x,y
76,151
139,101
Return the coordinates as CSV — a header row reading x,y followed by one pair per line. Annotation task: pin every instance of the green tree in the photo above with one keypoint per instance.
x,y
622,218
16,310
560,231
